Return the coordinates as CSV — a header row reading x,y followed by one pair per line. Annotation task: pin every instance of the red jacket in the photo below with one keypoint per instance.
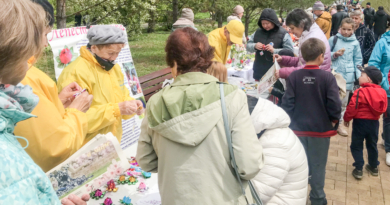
x,y
372,102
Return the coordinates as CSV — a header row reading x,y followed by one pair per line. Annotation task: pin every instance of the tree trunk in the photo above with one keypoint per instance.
x,y
281,12
247,21
175,10
220,19
151,22
61,14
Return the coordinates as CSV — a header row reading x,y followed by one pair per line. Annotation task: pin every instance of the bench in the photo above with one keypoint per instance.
x,y
152,82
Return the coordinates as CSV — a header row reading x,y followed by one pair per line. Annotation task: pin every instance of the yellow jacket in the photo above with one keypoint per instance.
x,y
108,90
56,133
217,39
325,23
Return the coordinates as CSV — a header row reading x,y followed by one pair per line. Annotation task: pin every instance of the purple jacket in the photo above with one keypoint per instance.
x,y
296,63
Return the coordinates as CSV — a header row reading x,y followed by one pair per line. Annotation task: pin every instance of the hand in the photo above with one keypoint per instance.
x,y
66,95
277,76
75,200
346,124
278,58
128,107
259,46
270,89
140,105
337,54
269,48
82,102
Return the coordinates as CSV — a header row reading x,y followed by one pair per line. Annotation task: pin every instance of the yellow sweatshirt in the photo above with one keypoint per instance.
x,y
107,88
217,39
56,133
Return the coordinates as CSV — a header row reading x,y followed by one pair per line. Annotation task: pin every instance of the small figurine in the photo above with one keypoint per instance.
x,y
142,187
111,186
146,174
122,180
133,162
132,180
107,201
126,201
97,194
138,169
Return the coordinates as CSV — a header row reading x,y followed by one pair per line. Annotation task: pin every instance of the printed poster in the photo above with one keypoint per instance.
x,y
66,44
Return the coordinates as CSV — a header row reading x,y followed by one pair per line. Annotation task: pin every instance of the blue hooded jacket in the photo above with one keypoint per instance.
x,y
380,58
347,64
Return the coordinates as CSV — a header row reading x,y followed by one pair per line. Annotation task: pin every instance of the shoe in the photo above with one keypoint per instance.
x,y
373,171
388,159
342,131
358,174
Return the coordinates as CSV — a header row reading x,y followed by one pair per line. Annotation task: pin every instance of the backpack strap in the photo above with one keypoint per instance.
x,y
334,42
357,99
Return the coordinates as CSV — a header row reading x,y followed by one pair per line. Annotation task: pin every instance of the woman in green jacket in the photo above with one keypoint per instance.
x,y
183,138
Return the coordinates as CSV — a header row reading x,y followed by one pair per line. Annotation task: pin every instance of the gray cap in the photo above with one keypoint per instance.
x,y
104,34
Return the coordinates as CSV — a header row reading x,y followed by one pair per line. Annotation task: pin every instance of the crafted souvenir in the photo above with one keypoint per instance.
x,y
107,201
142,187
111,186
122,180
133,162
132,180
146,175
271,44
97,194
126,201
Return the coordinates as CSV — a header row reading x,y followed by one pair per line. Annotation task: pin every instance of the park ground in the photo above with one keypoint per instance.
x,y
147,49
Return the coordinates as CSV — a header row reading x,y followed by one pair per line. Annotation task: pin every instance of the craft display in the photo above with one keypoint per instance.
x,y
142,187
239,57
97,194
107,201
111,186
126,201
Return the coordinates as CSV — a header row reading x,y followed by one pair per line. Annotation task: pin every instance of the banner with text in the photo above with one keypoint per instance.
x,y
66,44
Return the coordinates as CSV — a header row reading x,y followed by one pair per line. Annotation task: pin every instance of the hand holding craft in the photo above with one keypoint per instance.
x,y
66,95
140,109
82,102
128,107
259,46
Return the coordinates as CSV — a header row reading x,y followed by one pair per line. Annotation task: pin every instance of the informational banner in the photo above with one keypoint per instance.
x,y
66,44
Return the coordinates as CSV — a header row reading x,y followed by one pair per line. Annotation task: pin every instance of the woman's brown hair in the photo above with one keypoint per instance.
x,y
348,21
219,71
22,26
190,50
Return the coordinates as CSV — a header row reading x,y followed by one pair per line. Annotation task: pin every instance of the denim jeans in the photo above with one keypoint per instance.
x,y
386,127
365,130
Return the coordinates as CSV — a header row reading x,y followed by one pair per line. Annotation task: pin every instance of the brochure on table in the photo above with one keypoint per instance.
x,y
66,44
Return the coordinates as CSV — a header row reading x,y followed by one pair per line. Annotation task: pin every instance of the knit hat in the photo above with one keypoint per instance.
x,y
373,73
340,7
236,30
48,9
318,6
104,34
368,3
187,14
238,9
286,52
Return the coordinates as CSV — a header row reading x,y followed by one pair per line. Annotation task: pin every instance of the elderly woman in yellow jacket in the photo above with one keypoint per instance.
x,y
96,71
61,124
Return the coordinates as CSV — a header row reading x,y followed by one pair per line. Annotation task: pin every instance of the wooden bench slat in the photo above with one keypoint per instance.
x,y
155,81
154,75
153,89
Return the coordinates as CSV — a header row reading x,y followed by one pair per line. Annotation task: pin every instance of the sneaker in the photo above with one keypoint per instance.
x,y
373,171
342,131
358,174
388,159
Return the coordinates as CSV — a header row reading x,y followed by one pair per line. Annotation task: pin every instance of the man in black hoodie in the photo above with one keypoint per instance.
x,y
380,23
369,15
269,39
337,18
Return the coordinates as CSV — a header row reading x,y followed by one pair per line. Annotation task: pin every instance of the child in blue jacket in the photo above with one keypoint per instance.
x,y
346,56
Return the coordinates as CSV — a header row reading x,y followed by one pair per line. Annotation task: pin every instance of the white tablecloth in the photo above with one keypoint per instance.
x,y
246,73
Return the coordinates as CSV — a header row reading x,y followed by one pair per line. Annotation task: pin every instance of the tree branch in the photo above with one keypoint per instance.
x,y
85,9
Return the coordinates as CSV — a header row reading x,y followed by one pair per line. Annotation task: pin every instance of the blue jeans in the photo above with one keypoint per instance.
x,y
386,127
365,130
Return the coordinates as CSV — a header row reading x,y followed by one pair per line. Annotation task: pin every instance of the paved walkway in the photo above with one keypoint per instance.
x,y
342,188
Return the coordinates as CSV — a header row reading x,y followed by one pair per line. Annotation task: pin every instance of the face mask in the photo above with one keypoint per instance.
x,y
106,65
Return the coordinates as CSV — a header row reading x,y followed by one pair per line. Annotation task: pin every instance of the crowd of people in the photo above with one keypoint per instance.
x,y
278,149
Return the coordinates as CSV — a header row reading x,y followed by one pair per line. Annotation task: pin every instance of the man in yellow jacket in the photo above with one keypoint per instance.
x,y
324,19
96,71
223,38
61,125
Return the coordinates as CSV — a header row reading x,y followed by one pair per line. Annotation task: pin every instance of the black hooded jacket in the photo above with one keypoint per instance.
x,y
276,35
336,21
380,20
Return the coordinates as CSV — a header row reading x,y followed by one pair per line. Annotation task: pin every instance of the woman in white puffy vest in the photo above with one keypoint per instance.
x,y
284,177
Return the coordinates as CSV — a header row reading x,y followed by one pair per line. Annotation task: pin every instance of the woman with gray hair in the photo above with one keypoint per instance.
x,y
364,35
186,20
238,13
